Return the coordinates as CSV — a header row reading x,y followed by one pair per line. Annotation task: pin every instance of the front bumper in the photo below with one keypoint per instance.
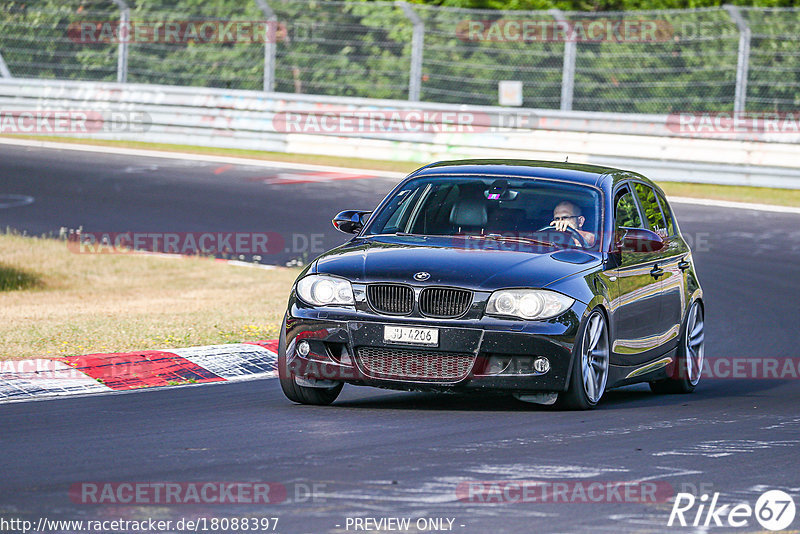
x,y
335,336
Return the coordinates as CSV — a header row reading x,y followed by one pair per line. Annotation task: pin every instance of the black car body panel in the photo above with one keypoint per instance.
x,y
643,295
451,262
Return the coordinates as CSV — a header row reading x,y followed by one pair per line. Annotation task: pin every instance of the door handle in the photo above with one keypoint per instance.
x,y
656,272
683,265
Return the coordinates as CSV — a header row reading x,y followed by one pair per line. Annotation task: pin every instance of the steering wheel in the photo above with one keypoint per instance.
x,y
570,230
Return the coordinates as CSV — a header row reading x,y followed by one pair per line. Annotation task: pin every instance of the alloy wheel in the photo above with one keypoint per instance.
x,y
594,357
695,343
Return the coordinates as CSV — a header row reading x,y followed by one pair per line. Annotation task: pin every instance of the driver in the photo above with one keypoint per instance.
x,y
566,214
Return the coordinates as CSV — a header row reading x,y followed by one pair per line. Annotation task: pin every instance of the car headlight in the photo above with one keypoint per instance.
x,y
528,303
322,290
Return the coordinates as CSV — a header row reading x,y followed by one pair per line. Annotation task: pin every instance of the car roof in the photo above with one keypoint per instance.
x,y
596,175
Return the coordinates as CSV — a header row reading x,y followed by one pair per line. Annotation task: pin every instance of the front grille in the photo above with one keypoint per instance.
x,y
444,302
410,364
393,299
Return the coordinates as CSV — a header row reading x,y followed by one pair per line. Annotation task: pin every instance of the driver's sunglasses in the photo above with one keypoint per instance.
x,y
565,217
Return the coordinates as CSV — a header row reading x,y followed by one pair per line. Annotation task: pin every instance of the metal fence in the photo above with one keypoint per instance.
x,y
713,59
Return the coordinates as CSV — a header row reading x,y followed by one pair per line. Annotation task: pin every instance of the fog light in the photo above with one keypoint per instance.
x,y
507,365
497,365
303,348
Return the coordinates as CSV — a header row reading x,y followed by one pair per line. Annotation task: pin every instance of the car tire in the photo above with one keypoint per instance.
x,y
295,392
590,363
689,363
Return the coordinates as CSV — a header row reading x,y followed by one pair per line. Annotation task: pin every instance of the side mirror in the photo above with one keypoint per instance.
x,y
350,221
639,240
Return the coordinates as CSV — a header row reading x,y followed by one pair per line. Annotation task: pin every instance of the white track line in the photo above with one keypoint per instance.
x,y
326,168
195,157
735,205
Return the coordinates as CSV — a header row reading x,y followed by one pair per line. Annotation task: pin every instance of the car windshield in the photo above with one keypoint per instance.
x,y
528,209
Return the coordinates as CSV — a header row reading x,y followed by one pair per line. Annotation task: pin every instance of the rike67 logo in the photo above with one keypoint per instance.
x,y
774,510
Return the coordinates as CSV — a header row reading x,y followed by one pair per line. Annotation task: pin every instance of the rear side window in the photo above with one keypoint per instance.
x,y
652,211
625,211
665,209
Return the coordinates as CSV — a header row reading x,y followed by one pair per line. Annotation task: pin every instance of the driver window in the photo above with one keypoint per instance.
x,y
625,211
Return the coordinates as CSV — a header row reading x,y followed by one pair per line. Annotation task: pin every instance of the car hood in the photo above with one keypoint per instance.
x,y
473,264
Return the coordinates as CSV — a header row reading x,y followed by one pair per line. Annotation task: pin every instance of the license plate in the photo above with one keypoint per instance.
x,y
410,334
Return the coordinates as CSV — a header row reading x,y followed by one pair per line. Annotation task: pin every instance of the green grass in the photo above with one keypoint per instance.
x,y
96,303
759,195
16,279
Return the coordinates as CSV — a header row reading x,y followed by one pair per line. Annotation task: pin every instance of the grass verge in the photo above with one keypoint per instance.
x,y
735,193
762,195
82,303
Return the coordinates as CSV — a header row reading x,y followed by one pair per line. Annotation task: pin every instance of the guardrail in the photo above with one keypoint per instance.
x,y
655,145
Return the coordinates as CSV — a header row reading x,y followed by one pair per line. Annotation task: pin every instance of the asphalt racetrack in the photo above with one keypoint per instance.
x,y
382,454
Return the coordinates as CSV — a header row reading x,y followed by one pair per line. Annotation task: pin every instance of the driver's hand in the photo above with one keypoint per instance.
x,y
561,225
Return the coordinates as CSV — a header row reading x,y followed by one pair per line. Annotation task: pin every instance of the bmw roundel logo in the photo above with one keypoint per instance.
x,y
422,276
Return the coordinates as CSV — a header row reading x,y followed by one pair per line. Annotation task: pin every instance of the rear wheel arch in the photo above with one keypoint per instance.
x,y
696,296
680,380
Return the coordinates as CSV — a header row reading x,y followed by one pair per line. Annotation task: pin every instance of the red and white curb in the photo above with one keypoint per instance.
x,y
105,373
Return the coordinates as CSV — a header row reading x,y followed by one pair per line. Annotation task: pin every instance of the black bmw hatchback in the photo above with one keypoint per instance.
x,y
550,281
